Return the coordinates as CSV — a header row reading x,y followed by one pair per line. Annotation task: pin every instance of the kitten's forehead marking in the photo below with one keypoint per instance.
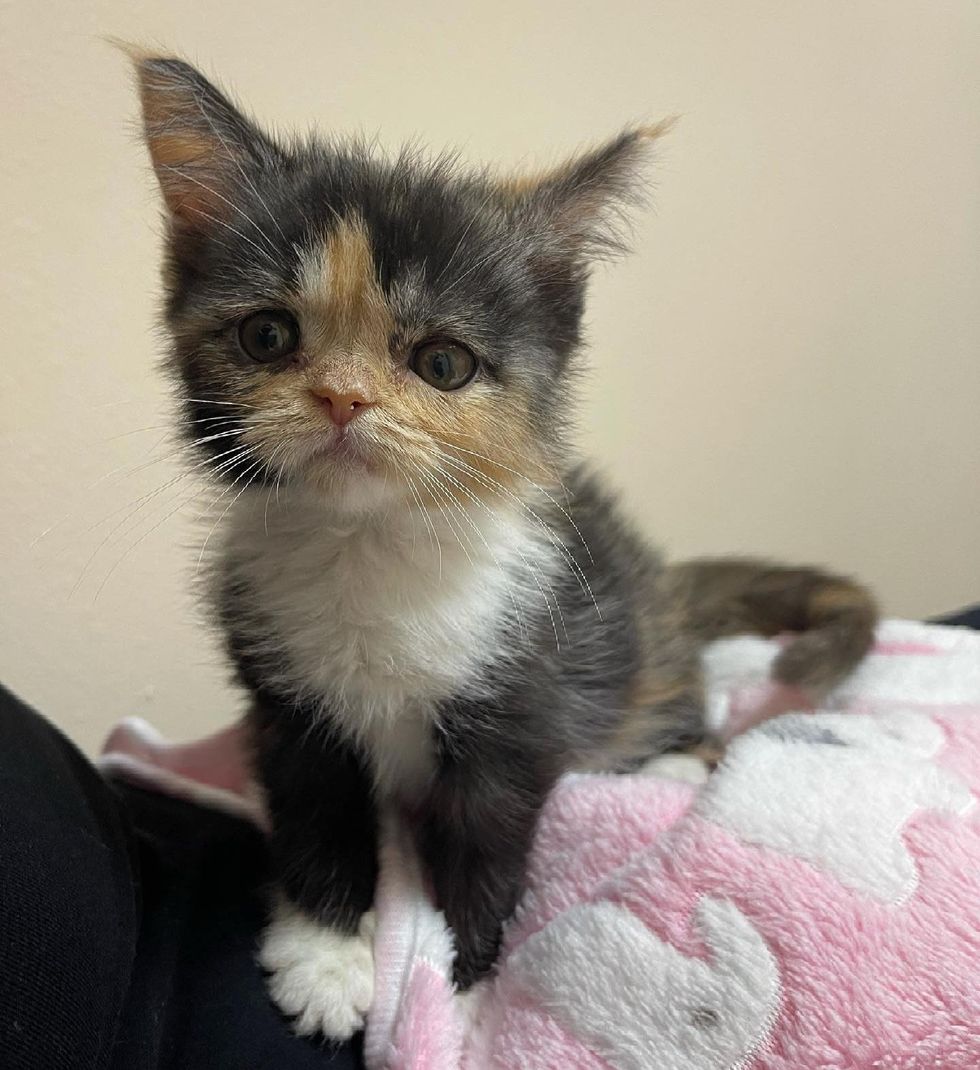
x,y
348,312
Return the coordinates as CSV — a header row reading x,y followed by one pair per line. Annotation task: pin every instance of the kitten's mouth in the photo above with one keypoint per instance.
x,y
345,448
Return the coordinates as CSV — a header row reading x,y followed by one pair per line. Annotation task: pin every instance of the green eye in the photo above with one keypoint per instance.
x,y
444,365
268,336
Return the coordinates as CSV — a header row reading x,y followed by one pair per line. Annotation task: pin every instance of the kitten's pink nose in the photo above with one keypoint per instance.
x,y
342,405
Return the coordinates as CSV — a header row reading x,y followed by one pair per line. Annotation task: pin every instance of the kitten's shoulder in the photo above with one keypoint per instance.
x,y
604,523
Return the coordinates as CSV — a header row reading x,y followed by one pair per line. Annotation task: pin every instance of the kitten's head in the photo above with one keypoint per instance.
x,y
372,327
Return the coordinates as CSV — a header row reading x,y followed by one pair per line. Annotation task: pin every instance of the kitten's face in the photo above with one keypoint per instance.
x,y
374,328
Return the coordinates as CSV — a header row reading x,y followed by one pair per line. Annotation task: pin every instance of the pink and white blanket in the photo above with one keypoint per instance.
x,y
814,903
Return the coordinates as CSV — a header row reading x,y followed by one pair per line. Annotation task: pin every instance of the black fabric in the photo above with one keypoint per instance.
x,y
68,904
128,924
965,618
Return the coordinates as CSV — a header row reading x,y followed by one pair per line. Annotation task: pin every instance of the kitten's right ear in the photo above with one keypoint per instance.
x,y
201,145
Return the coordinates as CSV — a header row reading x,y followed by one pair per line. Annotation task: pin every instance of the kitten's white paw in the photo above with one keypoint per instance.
x,y
470,1003
687,767
322,978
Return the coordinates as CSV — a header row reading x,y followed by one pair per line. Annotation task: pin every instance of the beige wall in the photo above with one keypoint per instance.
x,y
789,364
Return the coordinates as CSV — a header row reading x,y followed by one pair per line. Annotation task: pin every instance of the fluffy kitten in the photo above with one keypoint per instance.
x,y
433,606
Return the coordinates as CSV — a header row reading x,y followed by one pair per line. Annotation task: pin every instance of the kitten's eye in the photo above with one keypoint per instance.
x,y
444,365
268,336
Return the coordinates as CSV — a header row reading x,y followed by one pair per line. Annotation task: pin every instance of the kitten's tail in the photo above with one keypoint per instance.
x,y
834,616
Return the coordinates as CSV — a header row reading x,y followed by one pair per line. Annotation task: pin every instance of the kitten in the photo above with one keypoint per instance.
x,y
432,604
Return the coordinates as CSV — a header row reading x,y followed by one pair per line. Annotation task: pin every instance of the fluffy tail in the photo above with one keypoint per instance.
x,y
833,616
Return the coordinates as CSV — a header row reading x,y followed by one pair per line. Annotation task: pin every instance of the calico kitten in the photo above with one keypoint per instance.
x,y
431,603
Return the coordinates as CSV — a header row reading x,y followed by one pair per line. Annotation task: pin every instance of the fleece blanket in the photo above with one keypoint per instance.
x,y
814,903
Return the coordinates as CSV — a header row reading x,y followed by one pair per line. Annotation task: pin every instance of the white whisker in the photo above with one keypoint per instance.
x,y
450,523
133,546
433,534
520,475
231,204
462,238
257,465
556,542
234,230
139,505
234,159
496,560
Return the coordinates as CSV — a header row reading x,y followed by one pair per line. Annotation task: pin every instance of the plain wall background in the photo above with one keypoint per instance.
x,y
789,364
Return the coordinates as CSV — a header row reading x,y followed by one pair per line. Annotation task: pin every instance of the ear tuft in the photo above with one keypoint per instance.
x,y
583,203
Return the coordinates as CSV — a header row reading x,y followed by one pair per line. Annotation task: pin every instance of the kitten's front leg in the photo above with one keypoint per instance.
x,y
475,839
318,946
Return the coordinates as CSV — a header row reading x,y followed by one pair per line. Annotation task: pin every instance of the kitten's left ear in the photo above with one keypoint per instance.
x,y
581,204
201,145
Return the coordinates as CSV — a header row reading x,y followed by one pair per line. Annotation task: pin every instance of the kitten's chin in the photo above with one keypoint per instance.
x,y
350,489
344,473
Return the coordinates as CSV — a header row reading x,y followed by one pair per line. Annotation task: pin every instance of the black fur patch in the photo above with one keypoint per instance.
x,y
324,825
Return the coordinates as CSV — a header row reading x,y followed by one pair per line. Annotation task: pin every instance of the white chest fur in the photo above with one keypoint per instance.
x,y
379,618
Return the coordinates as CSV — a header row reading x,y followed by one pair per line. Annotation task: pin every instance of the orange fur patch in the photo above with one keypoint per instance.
x,y
652,689
836,598
346,317
179,149
652,705
487,438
